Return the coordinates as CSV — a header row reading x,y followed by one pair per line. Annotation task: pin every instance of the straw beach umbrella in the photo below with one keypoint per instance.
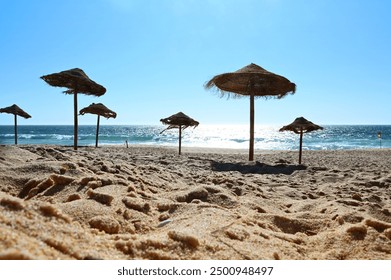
x,y
253,81
77,82
100,110
300,126
16,111
180,121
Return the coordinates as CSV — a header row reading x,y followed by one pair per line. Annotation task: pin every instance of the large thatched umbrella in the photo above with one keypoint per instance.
x,y
252,81
100,110
77,82
300,126
180,121
16,111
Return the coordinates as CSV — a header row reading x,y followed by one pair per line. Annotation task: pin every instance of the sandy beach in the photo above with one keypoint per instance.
x,y
150,203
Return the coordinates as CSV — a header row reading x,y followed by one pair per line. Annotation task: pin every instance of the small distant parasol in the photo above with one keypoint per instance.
x,y
300,126
180,121
16,111
100,110
77,82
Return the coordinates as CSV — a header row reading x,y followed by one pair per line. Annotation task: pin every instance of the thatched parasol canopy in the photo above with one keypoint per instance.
x,y
100,110
253,81
16,111
77,82
180,121
300,126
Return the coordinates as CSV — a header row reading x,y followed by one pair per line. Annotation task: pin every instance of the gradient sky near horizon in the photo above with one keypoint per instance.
x,y
154,57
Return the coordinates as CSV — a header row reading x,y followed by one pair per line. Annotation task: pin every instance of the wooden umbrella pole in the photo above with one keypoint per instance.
x,y
251,148
75,128
97,131
16,129
180,138
301,144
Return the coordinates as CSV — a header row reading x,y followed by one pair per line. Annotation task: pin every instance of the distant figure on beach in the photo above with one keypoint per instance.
x,y
126,142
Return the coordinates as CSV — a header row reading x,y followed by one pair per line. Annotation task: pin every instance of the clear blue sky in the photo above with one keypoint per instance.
x,y
154,56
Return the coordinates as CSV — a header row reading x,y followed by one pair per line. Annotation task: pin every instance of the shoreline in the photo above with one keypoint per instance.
x,y
196,149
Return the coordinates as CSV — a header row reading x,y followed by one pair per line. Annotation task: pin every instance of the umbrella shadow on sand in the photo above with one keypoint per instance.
x,y
256,168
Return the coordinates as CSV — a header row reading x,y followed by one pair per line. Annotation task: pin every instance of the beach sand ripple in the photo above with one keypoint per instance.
x,y
149,203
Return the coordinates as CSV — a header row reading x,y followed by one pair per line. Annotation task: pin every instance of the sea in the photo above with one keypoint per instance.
x,y
332,137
